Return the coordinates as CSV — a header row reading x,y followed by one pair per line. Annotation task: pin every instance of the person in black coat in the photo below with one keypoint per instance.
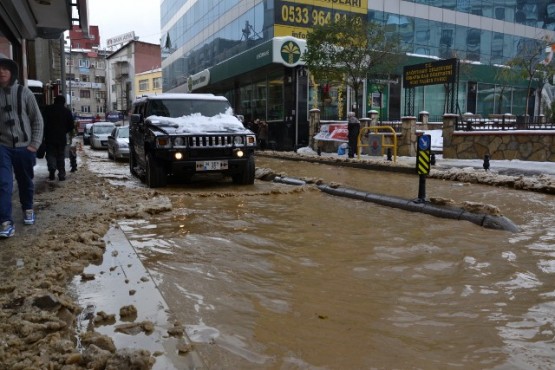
x,y
353,126
58,122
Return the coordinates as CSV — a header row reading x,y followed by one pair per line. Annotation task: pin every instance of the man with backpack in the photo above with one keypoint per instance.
x,y
21,130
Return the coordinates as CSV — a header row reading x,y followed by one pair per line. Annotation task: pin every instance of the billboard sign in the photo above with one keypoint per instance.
x,y
297,17
433,73
111,42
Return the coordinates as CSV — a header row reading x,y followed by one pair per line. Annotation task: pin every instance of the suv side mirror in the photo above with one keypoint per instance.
x,y
135,118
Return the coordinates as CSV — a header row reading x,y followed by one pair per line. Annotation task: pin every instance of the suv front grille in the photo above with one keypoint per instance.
x,y
208,141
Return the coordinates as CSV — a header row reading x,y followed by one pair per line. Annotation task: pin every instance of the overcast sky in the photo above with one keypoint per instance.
x,y
116,17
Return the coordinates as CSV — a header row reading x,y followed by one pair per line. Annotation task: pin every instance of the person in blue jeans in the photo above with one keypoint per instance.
x,y
21,131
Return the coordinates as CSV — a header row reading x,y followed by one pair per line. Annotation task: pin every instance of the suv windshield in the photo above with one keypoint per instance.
x,y
177,108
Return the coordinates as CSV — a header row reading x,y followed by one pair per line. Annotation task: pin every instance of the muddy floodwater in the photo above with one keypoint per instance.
x,y
274,276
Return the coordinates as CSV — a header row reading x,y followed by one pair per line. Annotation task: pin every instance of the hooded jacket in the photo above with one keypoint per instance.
x,y
58,122
18,130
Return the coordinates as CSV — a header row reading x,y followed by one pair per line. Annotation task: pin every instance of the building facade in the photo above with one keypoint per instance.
x,y
84,74
148,82
123,65
250,51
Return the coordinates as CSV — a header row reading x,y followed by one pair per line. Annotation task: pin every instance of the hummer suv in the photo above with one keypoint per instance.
x,y
184,135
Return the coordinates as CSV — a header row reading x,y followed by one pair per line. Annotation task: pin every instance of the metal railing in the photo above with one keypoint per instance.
x,y
502,124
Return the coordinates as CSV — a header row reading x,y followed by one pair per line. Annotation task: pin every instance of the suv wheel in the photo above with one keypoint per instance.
x,y
155,174
247,176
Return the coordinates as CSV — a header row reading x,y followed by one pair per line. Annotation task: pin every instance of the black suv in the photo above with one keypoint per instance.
x,y
186,134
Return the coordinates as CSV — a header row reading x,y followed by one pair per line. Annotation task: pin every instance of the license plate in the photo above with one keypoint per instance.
x,y
211,165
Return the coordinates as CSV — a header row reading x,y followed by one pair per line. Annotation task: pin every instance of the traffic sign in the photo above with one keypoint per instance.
x,y
423,154
424,142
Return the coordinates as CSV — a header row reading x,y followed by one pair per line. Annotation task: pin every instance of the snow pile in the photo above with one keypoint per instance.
x,y
198,124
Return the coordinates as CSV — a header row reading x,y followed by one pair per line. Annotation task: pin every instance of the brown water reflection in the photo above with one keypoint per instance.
x,y
271,277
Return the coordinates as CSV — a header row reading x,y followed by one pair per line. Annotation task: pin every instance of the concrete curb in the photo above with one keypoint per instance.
x,y
120,272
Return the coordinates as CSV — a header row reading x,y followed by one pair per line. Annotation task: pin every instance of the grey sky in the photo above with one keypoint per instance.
x,y
116,17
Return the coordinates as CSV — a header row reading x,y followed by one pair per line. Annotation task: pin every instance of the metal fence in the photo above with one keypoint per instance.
x,y
503,124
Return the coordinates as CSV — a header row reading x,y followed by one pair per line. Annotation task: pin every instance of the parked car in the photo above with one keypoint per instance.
x,y
118,143
99,134
188,134
87,134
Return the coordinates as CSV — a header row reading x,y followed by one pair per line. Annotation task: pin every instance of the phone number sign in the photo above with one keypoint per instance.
x,y
296,18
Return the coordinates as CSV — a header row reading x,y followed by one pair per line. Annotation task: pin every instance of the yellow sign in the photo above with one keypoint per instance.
x,y
355,6
296,17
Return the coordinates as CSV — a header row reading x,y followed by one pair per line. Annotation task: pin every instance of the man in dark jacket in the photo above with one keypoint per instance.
x,y
58,122
353,126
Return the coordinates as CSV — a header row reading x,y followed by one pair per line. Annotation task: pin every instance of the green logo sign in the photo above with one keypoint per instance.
x,y
290,52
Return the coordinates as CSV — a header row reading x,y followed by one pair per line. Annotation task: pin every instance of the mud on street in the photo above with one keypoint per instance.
x,y
44,326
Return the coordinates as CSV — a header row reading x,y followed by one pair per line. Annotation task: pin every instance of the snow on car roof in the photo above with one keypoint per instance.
x,y
187,96
197,123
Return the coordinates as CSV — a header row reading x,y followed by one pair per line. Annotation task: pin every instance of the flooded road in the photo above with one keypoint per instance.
x,y
274,276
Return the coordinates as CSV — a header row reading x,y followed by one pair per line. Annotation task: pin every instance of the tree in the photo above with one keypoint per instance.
x,y
506,77
350,50
529,64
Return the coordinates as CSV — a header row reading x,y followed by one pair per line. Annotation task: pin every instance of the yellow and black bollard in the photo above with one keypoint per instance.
x,y
423,157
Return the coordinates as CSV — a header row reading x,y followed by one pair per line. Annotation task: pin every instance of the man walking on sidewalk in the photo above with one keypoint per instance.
x,y
58,123
21,129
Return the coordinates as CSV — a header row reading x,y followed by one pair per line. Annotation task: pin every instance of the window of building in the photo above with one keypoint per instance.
x,y
85,94
84,78
275,98
85,109
143,85
101,94
157,83
84,63
100,79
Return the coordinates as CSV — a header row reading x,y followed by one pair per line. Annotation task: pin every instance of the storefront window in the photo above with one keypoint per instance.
x,y
259,104
275,99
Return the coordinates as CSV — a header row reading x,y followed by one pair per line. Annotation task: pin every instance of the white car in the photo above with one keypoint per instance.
x,y
87,134
99,134
118,143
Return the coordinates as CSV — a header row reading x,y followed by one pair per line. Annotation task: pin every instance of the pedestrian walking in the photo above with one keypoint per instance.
x,y
353,127
21,130
58,123
263,134
73,145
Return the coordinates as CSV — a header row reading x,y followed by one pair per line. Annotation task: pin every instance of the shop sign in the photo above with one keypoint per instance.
x,y
434,73
288,51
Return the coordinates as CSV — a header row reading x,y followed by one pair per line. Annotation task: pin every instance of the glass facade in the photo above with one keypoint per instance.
x,y
205,33
198,35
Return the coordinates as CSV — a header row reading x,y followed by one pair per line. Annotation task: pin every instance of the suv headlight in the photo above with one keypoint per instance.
x,y
179,141
238,141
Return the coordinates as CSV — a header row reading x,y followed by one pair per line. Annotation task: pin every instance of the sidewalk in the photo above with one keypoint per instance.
x,y
502,167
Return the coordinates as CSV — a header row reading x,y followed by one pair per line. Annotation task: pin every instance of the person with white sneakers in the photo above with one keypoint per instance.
x,y
21,131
